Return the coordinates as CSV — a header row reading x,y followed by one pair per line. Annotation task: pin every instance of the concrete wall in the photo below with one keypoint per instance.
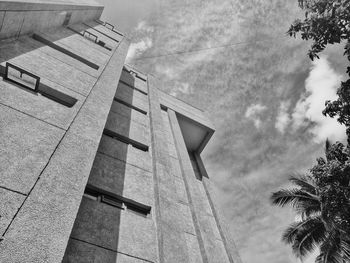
x,y
23,17
47,148
116,234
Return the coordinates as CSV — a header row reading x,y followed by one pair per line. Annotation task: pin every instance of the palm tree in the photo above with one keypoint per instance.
x,y
321,199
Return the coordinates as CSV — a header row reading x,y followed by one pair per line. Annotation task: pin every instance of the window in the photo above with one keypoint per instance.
x,y
30,81
114,200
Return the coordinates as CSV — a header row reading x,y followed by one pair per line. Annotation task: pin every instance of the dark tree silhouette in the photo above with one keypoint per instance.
x,y
322,197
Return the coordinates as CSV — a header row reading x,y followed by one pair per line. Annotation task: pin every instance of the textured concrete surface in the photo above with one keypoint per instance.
x,y
25,148
134,115
124,126
122,179
115,229
40,231
9,204
23,18
171,240
124,152
132,97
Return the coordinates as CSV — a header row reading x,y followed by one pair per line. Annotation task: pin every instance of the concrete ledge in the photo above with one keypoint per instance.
x,y
45,5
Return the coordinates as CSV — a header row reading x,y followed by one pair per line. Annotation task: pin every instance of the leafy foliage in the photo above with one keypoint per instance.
x,y
322,201
328,22
322,198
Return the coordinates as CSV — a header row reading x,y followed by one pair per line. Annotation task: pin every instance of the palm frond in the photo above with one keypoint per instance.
x,y
291,233
330,250
304,182
291,197
308,237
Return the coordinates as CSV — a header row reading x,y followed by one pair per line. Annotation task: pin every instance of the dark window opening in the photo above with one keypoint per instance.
x,y
130,106
126,140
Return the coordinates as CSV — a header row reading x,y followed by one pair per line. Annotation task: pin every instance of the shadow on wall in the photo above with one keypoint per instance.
x,y
95,235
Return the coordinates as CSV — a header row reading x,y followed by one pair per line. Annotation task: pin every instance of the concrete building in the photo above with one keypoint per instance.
x,y
97,164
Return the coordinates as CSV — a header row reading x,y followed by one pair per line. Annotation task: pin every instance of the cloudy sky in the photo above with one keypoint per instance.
x,y
264,96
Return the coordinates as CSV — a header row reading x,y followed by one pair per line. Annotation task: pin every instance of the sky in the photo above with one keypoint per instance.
x,y
233,59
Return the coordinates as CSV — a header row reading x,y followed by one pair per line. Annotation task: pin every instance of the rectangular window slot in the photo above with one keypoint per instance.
x,y
102,33
109,26
116,200
130,106
29,81
112,201
65,51
126,140
21,77
132,87
92,37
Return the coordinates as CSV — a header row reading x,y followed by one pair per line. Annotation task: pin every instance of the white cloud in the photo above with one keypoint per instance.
x,y
283,119
138,48
253,112
181,87
142,26
321,85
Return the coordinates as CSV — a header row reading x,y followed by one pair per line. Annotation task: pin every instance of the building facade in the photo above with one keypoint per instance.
x,y
97,164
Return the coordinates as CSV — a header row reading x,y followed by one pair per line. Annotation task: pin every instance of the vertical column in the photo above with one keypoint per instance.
x,y
209,238
229,244
171,241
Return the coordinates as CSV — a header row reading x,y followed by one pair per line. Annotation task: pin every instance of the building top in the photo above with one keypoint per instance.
x,y
197,129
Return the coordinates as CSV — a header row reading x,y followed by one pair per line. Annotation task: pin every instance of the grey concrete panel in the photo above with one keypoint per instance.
x,y
115,229
40,20
194,253
141,84
2,16
124,126
26,146
122,179
9,204
222,224
49,5
12,24
174,245
96,110
41,229
134,115
77,44
125,152
175,167
181,190
97,223
137,236
46,67
40,107
132,97
81,252
61,57
186,219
